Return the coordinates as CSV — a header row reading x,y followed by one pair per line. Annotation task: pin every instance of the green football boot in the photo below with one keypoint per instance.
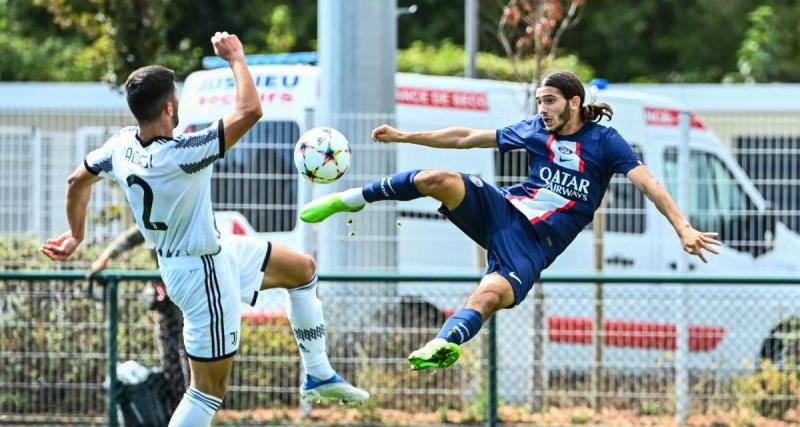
x,y
323,207
437,353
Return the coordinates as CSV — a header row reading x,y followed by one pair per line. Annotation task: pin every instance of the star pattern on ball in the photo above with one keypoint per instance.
x,y
328,155
303,148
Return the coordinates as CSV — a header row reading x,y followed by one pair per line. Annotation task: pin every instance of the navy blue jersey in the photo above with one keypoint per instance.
x,y
568,174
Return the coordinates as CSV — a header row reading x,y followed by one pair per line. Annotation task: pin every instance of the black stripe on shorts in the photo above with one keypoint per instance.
x,y
266,257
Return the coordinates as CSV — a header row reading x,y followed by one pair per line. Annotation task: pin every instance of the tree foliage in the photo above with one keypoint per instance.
x,y
768,53
533,29
447,59
667,40
624,40
90,40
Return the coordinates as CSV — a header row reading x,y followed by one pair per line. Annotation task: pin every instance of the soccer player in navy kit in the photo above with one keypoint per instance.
x,y
523,227
167,182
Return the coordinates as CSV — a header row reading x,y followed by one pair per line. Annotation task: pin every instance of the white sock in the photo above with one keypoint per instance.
x,y
353,197
304,310
196,409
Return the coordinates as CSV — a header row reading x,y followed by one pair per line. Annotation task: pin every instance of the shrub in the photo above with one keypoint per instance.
x,y
769,391
448,59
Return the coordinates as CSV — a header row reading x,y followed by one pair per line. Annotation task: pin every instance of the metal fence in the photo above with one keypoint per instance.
x,y
55,356
756,212
42,149
749,194
767,146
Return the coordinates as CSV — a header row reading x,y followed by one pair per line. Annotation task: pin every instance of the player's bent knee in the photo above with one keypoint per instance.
x,y
436,183
211,377
303,269
213,387
485,301
308,268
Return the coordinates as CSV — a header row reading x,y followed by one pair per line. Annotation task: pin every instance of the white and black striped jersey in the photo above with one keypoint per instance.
x,y
167,182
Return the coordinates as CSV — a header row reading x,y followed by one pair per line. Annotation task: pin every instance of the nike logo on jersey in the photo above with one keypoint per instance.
x,y
566,154
514,276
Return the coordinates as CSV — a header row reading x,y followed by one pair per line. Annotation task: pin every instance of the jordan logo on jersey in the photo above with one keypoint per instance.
x,y
566,154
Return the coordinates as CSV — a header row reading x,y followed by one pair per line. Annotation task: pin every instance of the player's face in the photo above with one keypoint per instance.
x,y
554,108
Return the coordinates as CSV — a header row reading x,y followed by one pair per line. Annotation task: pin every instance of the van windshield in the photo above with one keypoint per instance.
x,y
718,203
257,177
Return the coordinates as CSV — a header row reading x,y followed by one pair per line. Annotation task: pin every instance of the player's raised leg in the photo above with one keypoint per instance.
x,y
445,186
296,273
493,293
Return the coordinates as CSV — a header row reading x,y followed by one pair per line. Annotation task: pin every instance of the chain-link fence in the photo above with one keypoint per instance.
x,y
43,147
54,353
54,357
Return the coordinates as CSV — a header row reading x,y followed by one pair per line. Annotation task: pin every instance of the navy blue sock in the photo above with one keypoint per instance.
x,y
399,186
462,326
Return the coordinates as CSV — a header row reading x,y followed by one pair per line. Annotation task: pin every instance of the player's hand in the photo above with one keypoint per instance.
x,y
227,46
386,133
60,248
97,266
695,241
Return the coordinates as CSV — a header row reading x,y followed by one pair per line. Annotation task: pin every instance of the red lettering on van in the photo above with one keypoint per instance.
x,y
632,334
442,98
230,98
670,117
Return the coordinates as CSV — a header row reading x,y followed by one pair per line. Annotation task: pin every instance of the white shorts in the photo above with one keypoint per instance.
x,y
209,291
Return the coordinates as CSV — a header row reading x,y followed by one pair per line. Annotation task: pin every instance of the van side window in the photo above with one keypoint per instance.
x,y
625,209
771,162
257,177
718,203
625,212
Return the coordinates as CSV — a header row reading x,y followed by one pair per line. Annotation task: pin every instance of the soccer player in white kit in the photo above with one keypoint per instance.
x,y
167,181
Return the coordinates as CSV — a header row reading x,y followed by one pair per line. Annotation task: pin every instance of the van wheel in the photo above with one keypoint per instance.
x,y
782,345
412,321
414,312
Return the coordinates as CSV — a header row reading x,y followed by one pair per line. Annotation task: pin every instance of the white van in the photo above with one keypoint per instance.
x,y
258,192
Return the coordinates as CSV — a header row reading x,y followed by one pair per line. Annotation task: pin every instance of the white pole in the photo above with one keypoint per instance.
x,y
471,8
357,62
36,225
682,327
599,300
308,238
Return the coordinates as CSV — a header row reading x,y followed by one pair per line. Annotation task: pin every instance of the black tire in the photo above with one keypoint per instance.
x,y
780,347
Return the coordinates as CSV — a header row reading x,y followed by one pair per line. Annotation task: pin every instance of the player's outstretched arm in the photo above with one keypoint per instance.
x,y
442,138
248,105
692,240
79,188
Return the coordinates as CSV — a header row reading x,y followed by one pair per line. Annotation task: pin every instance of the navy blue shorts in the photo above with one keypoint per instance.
x,y
513,248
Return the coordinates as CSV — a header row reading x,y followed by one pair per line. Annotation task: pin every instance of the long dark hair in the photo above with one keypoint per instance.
x,y
570,85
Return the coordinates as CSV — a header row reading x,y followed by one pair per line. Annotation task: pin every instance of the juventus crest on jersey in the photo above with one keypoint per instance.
x,y
167,182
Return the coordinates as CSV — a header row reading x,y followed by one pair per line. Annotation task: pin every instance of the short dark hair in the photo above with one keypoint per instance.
x,y
570,85
147,89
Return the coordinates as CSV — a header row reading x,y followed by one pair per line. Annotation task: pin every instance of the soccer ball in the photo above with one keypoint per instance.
x,y
322,155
